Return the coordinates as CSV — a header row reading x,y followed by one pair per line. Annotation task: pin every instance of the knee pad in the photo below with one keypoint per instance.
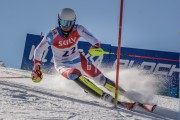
x,y
71,74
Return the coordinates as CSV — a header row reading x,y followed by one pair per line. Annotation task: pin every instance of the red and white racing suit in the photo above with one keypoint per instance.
x,y
67,59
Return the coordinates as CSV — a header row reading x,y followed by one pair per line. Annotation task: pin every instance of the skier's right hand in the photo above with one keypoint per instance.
x,y
36,74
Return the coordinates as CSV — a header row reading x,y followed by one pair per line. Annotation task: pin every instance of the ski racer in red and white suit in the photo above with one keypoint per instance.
x,y
67,59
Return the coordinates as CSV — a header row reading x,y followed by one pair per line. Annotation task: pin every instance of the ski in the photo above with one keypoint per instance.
x,y
149,108
141,109
131,106
126,105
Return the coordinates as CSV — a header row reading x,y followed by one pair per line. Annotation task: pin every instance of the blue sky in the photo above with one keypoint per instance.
x,y
147,24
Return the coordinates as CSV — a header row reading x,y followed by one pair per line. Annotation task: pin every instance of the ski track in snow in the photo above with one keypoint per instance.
x,y
21,99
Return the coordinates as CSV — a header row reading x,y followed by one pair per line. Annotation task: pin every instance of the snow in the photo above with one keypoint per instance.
x,y
56,98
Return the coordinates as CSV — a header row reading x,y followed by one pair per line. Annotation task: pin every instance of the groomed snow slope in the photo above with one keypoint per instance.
x,y
58,99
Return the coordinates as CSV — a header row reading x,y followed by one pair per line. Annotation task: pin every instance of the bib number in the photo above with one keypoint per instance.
x,y
70,52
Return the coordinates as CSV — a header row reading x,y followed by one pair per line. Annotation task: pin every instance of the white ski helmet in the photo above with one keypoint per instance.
x,y
67,17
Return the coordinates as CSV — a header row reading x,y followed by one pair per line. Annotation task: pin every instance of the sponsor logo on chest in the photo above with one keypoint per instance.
x,y
69,41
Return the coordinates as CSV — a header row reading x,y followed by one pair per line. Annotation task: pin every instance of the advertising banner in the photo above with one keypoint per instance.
x,y
164,65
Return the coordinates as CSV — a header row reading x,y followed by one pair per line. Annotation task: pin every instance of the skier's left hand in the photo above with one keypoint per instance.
x,y
97,45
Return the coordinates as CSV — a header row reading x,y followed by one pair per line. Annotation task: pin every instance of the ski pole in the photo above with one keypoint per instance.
x,y
100,51
15,77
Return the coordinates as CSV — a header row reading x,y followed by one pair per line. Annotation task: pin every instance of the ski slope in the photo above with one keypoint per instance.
x,y
58,99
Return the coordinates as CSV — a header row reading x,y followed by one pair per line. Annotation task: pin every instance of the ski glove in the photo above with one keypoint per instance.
x,y
96,46
36,74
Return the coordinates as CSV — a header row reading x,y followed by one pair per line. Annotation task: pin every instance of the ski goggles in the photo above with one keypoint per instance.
x,y
67,23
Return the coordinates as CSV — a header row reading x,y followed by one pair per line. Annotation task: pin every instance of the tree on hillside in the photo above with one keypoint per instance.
x,y
2,64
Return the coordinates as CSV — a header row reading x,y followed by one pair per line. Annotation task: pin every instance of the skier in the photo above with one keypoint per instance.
x,y
68,61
